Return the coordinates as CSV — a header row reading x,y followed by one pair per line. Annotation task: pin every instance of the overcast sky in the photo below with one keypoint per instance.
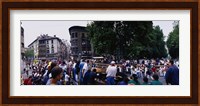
x,y
32,29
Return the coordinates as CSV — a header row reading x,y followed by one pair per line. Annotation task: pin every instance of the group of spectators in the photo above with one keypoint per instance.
x,y
60,73
84,72
129,72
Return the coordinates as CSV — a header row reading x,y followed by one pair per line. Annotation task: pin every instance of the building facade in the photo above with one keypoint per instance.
x,y
80,44
47,47
22,43
68,48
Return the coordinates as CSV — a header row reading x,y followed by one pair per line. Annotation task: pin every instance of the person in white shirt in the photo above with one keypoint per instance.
x,y
86,71
85,68
67,79
111,74
63,66
161,71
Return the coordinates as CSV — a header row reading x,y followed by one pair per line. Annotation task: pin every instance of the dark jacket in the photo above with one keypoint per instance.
x,y
172,75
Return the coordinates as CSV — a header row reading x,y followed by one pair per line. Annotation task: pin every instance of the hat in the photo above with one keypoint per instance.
x,y
113,62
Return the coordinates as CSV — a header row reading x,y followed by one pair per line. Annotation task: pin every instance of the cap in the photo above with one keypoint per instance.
x,y
113,62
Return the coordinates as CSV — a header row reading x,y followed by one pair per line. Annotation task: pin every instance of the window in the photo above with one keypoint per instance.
x,y
72,35
22,45
41,42
52,50
76,35
47,51
22,34
83,35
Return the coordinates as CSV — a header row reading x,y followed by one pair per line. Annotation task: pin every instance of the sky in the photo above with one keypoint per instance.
x,y
33,29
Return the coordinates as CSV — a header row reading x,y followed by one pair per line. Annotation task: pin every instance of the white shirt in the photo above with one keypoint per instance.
x,y
85,68
111,71
66,77
64,67
74,65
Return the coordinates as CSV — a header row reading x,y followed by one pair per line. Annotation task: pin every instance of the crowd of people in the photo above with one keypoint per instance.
x,y
84,72
149,71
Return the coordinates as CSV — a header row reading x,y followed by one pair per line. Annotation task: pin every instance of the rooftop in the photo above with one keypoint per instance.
x,y
44,37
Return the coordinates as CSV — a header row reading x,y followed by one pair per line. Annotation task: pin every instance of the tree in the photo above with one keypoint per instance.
x,y
129,34
173,41
29,53
157,43
127,39
102,36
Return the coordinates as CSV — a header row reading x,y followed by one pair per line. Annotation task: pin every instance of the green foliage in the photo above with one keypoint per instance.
x,y
102,36
173,41
157,43
127,39
29,53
